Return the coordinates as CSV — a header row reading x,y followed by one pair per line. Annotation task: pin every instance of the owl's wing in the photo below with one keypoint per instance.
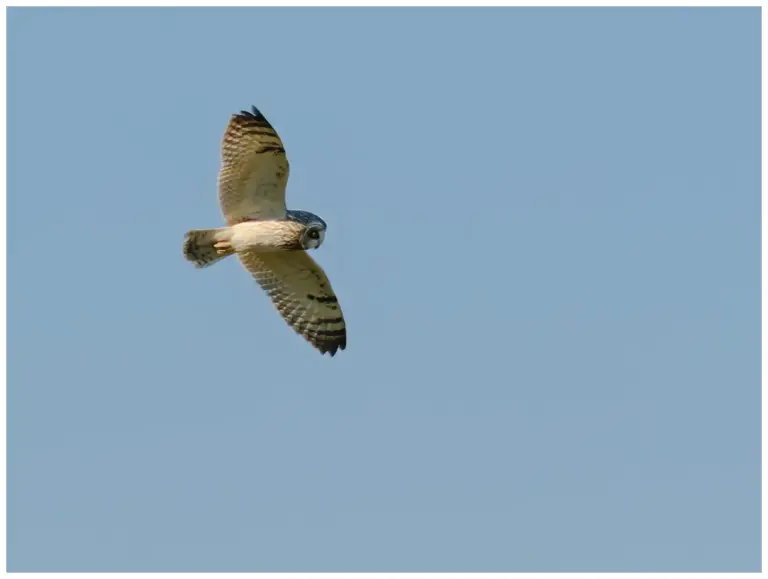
x,y
302,294
254,169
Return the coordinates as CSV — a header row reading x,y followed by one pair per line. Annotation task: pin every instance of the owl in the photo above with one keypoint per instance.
x,y
271,242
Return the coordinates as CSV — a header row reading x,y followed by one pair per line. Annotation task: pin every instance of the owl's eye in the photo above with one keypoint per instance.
x,y
314,234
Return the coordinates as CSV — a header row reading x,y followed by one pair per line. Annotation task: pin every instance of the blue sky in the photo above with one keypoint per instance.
x,y
543,229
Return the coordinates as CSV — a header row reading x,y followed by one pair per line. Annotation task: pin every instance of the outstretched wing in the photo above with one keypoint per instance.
x,y
302,294
254,169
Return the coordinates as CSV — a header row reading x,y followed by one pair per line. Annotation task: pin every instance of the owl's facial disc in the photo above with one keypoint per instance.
x,y
313,236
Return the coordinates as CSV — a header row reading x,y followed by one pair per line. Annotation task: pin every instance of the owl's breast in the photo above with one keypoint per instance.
x,y
272,235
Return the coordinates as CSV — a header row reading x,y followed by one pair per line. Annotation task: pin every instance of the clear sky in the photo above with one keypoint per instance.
x,y
543,228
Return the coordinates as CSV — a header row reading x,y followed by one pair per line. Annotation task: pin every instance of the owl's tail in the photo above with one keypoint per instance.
x,y
204,247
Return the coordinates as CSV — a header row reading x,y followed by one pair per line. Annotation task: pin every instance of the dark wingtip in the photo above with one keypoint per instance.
x,y
334,349
254,114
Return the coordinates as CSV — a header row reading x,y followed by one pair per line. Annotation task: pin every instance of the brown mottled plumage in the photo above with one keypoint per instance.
x,y
269,240
254,170
302,294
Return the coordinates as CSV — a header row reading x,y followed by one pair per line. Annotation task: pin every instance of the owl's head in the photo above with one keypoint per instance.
x,y
313,233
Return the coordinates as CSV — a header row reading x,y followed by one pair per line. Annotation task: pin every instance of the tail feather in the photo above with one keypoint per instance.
x,y
199,246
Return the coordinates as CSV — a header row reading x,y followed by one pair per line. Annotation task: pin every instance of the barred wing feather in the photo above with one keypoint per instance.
x,y
302,293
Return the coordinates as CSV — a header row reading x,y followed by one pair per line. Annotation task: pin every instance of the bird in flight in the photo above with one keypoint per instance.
x,y
270,240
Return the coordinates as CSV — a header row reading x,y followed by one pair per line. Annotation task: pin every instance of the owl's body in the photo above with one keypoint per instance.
x,y
270,240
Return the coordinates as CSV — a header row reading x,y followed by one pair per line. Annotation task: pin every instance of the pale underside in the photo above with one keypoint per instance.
x,y
302,294
254,170
252,182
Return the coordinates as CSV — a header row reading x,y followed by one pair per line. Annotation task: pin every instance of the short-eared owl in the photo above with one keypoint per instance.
x,y
269,240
